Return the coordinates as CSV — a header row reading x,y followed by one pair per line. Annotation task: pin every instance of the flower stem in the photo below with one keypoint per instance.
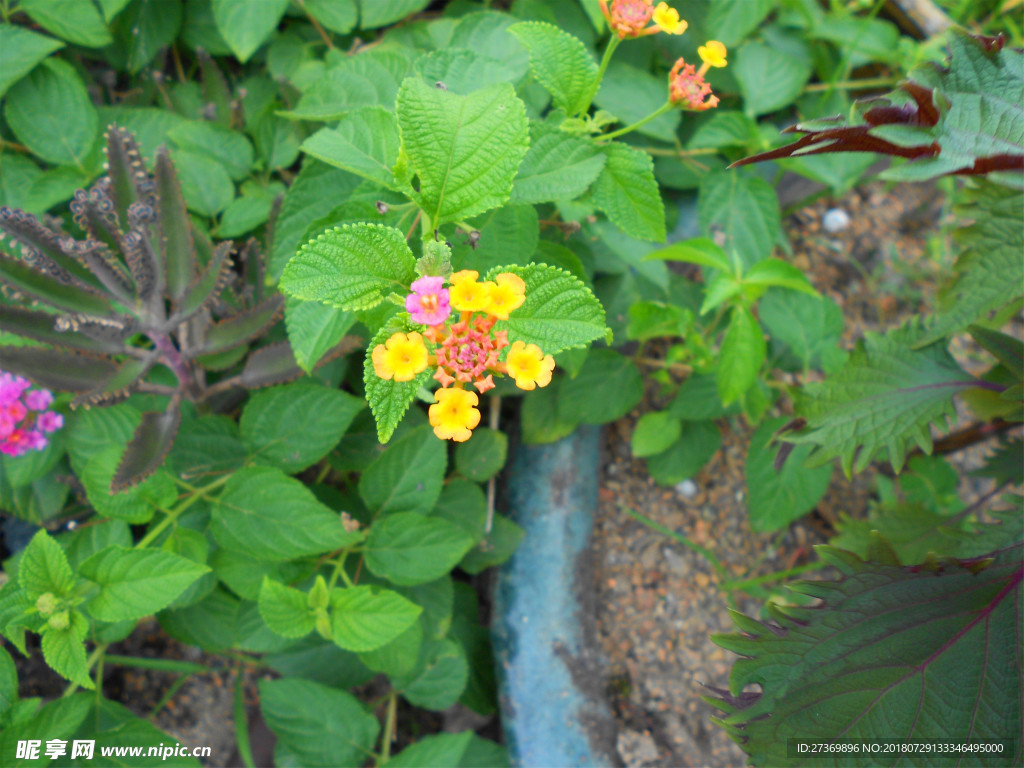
x,y
613,43
389,729
643,121
173,514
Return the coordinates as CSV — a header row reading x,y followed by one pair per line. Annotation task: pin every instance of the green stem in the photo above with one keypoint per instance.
x,y
339,571
643,121
171,693
389,729
852,85
172,515
740,586
160,665
91,662
707,553
613,43
242,722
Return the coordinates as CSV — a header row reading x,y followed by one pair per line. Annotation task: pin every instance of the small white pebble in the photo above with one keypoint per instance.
x,y
687,489
835,220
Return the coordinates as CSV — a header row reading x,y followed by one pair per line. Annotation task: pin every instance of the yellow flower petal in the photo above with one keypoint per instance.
x,y
712,54
529,366
401,357
668,19
454,415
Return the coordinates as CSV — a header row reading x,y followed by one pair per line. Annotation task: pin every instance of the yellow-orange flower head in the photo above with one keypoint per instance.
x,y
401,357
466,294
712,54
667,19
507,294
529,366
454,415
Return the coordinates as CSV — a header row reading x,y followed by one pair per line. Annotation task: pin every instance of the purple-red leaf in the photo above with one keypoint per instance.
x,y
148,447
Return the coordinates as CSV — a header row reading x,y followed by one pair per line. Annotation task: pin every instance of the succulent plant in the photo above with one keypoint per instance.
x,y
143,287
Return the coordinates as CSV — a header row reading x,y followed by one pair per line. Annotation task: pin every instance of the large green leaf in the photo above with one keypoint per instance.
x,y
44,568
811,326
380,13
741,356
228,147
408,476
365,143
556,167
891,654
245,25
559,311
745,209
51,113
76,22
769,78
205,183
631,94
440,676
885,397
409,548
351,267
559,62
136,582
365,618
144,28
729,21
285,610
313,329
20,51
294,426
64,650
367,79
628,193
606,388
465,150
316,725
137,504
268,516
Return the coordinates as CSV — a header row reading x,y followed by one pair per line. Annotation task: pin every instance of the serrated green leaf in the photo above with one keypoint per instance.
x,y
463,70
742,353
559,311
442,751
365,618
351,267
370,78
410,548
50,112
440,678
64,650
20,51
408,476
746,210
698,442
885,397
485,457
364,143
697,250
780,274
654,433
397,658
285,610
627,192
206,446
76,22
556,167
293,426
313,329
465,150
810,326
606,388
135,505
769,78
225,146
244,25
136,582
268,516
44,568
559,62
319,726
931,625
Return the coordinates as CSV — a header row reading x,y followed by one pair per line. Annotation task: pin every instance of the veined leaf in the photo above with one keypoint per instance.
x,y
313,328
628,193
365,143
364,618
409,548
559,62
20,51
70,20
885,397
465,150
370,78
556,167
408,476
745,208
742,354
285,610
931,625
244,25
351,267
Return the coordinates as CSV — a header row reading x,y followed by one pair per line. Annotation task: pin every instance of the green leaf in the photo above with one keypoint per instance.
x,y
136,582
64,650
365,618
293,426
70,20
861,40
556,167
777,497
205,183
886,396
397,658
410,548
229,148
440,677
769,78
1006,349
745,209
559,62
314,194
606,388
59,719
144,28
719,289
212,623
495,548
698,442
931,625
336,15
206,446
511,231
729,21
135,505
485,457
317,725
559,312
365,143
628,193
463,70
51,113
313,329
631,94
811,326
741,356
244,25
778,273
541,419
442,751
268,516
408,476
20,51
44,568
380,13
90,431
697,250
351,267
8,682
368,79
389,399
465,150
655,432
285,610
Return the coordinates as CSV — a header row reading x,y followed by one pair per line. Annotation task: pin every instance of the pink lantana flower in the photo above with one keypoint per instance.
x,y
428,303
24,418
39,399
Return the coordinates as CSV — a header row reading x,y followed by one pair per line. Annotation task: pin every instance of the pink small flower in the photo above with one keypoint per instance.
x,y
428,303
11,388
16,443
34,440
50,421
39,399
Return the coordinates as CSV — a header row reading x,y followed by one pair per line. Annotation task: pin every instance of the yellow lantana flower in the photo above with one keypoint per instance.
x,y
529,366
454,414
401,357
712,54
466,294
508,293
668,19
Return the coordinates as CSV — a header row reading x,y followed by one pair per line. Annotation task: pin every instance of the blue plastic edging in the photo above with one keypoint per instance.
x,y
550,691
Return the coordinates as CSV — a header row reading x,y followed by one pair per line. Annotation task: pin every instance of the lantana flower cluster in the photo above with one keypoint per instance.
x,y
687,86
24,416
628,18
464,348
